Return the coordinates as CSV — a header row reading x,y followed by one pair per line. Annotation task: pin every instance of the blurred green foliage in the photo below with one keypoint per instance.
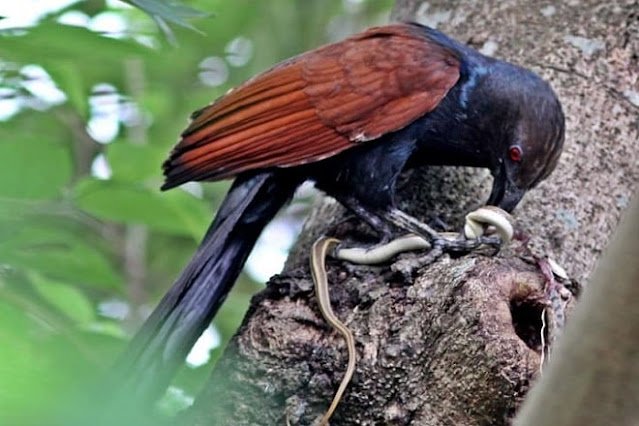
x,y
74,235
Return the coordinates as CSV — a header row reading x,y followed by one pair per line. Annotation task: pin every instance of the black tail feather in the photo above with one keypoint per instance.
x,y
160,347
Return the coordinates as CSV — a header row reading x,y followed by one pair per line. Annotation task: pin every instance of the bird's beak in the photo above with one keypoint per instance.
x,y
505,194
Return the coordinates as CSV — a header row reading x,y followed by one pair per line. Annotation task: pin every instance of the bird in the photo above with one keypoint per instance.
x,y
350,117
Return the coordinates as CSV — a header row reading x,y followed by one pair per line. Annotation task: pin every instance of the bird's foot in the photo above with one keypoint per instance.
x,y
470,240
447,244
423,237
460,245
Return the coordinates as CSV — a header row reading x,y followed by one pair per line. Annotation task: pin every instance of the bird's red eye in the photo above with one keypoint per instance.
x,y
515,153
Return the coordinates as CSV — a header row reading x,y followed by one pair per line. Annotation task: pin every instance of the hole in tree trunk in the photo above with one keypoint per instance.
x,y
526,315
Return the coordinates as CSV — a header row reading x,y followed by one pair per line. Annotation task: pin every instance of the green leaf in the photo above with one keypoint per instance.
x,y
52,41
72,82
134,163
57,253
65,298
170,10
12,209
40,368
18,359
175,212
107,328
33,168
76,58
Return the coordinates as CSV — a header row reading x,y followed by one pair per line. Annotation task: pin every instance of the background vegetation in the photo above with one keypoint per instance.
x,y
92,97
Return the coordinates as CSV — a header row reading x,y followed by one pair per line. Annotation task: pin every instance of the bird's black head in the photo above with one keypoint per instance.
x,y
524,122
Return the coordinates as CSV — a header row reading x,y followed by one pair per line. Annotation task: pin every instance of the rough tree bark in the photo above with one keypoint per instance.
x,y
459,342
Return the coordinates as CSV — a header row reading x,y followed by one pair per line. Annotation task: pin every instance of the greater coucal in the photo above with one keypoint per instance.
x,y
349,116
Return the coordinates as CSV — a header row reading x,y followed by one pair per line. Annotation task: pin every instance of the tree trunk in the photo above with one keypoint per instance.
x,y
459,342
592,377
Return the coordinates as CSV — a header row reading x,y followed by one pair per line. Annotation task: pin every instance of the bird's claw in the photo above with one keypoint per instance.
x,y
463,246
425,238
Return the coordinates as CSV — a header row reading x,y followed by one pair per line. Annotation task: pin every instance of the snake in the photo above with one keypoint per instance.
x,y
476,224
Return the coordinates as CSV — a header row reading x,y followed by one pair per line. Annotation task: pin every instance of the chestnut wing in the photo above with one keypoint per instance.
x,y
316,105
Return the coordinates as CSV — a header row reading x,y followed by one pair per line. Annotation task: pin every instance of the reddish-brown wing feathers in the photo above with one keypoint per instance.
x,y
316,105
